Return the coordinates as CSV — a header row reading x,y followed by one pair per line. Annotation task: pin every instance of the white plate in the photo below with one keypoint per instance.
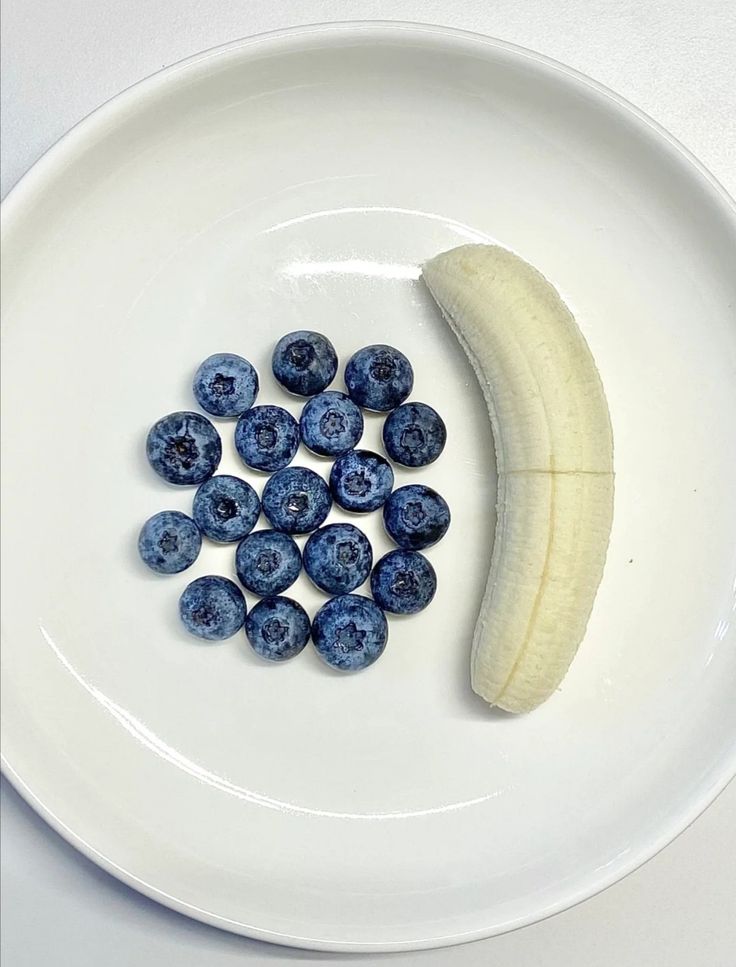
x,y
297,180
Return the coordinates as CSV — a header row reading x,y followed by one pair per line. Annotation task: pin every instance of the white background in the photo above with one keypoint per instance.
x,y
674,59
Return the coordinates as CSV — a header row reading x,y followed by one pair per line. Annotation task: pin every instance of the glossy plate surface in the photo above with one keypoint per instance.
x,y
297,181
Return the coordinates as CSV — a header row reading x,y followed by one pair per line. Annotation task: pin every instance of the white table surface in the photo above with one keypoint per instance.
x,y
674,59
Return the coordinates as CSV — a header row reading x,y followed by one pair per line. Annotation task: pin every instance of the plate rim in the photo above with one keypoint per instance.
x,y
105,115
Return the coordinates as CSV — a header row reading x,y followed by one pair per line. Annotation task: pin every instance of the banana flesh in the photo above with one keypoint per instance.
x,y
554,454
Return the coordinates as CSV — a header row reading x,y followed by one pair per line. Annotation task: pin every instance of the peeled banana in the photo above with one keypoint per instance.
x,y
554,454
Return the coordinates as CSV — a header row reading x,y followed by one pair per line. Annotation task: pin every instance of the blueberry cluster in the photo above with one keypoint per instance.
x,y
350,631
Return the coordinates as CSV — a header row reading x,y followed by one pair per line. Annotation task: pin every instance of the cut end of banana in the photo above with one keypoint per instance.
x,y
554,454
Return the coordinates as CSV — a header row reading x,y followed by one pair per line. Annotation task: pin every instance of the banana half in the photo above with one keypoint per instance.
x,y
554,453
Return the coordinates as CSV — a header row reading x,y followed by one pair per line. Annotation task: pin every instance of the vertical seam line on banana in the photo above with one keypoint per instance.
x,y
540,592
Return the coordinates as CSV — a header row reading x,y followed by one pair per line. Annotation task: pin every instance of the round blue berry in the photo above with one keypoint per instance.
x,y
212,607
338,558
184,448
379,377
267,437
416,516
331,424
225,385
304,362
226,508
267,562
350,632
169,542
361,480
414,435
403,582
296,500
277,628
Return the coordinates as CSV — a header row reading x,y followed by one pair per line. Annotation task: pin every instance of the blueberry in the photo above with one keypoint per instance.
x,y
361,480
296,500
277,628
225,385
184,448
414,435
267,437
379,377
331,424
403,582
212,608
169,542
268,562
416,516
338,558
304,362
350,632
226,508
